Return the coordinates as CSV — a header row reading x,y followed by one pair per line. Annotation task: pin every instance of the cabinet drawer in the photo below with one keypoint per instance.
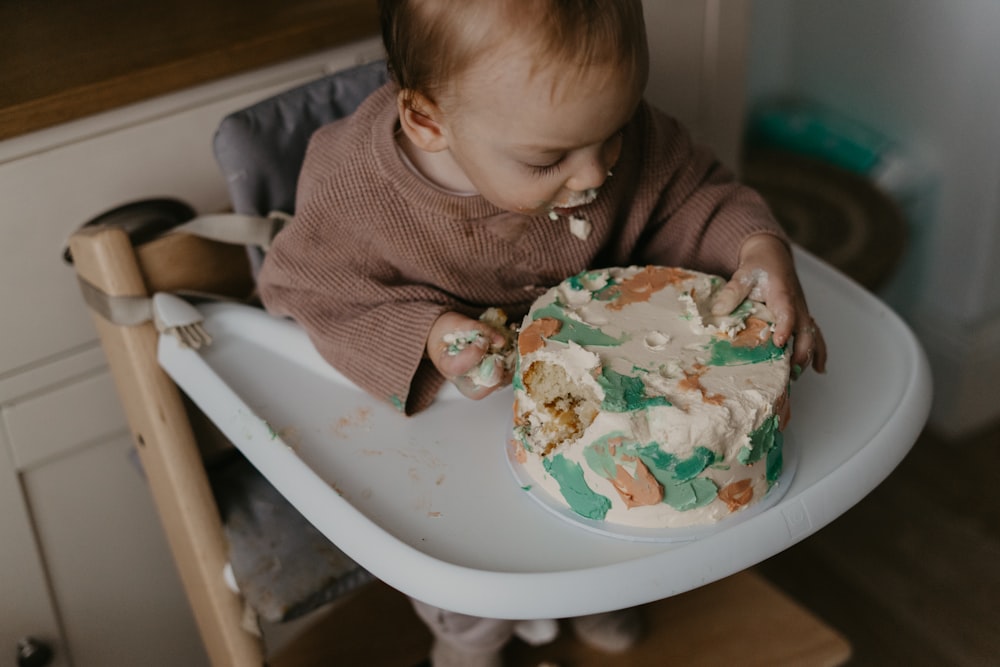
x,y
119,598
48,425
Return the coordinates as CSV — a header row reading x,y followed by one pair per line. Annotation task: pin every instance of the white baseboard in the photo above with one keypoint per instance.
x,y
965,361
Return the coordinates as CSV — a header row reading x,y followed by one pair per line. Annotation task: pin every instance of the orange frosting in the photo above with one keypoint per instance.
x,y
643,489
533,336
737,494
519,419
692,382
753,335
643,285
515,449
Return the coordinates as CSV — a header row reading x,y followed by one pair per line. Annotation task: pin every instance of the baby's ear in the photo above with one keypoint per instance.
x,y
420,119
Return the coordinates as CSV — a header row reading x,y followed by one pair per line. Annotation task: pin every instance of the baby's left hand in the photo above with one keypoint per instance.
x,y
766,273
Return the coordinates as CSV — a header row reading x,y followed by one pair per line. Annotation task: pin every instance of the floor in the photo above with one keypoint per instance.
x,y
909,575
706,627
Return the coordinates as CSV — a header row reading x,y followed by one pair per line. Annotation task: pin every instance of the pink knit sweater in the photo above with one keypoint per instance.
x,y
375,254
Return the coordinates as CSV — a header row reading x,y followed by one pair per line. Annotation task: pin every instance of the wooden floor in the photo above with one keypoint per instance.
x,y
909,576
712,625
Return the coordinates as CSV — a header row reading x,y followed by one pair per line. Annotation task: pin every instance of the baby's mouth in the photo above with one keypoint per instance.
x,y
575,200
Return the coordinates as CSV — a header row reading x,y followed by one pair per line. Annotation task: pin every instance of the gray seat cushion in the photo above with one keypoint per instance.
x,y
260,148
282,564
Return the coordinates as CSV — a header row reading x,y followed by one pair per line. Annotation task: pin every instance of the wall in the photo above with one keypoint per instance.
x,y
697,52
923,72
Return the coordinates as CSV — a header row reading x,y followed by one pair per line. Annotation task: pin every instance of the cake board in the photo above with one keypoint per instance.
x,y
428,504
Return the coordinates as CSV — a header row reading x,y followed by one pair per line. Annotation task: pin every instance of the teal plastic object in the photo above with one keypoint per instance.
x,y
809,128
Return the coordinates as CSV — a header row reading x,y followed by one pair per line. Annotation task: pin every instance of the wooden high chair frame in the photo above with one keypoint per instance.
x,y
174,442
158,419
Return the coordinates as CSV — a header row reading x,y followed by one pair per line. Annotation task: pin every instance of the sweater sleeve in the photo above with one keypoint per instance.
x,y
362,316
703,213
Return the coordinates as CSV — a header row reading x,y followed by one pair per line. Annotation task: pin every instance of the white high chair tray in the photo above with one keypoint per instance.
x,y
429,504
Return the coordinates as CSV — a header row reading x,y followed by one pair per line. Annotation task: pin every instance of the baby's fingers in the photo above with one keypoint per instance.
x,y
460,351
463,350
808,348
482,380
732,295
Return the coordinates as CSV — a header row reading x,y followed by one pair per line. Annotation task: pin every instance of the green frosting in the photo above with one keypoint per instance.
x,y
576,282
574,330
761,441
690,495
623,393
609,292
398,403
682,488
766,441
581,498
521,433
724,353
689,468
743,310
775,460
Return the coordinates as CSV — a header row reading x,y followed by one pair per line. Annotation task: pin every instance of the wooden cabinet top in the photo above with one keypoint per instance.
x,y
64,59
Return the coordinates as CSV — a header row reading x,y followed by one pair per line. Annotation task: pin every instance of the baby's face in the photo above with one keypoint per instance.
x,y
533,144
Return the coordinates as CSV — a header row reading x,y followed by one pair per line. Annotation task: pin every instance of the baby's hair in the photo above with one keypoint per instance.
x,y
430,42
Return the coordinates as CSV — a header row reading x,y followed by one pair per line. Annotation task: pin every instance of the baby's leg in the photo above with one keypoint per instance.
x,y
464,641
611,632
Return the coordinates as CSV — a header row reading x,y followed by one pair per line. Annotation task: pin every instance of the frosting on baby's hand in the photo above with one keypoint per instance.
x,y
498,361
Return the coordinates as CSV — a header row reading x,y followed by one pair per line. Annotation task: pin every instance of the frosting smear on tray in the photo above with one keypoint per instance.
x,y
634,405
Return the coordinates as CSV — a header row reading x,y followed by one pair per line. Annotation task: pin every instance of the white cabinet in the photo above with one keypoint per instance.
x,y
84,565
26,608
83,562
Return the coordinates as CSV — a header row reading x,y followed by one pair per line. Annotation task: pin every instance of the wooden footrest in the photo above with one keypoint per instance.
x,y
741,620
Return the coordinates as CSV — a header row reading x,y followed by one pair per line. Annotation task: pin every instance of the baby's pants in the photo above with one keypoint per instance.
x,y
476,635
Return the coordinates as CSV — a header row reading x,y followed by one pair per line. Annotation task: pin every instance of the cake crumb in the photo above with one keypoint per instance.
x,y
579,227
457,341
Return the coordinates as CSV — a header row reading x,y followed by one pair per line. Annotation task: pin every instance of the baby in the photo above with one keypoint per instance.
x,y
513,148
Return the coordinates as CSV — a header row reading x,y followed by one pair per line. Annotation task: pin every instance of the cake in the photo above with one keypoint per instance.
x,y
634,405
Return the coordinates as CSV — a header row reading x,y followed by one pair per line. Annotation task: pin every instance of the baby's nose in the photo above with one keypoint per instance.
x,y
590,175
595,166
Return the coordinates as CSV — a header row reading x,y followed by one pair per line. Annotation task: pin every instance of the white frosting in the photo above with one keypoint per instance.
x,y
580,227
692,397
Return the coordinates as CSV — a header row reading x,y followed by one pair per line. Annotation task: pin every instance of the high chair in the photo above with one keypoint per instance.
x,y
388,493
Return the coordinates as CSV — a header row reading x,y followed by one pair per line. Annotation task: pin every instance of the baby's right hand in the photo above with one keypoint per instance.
x,y
457,346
